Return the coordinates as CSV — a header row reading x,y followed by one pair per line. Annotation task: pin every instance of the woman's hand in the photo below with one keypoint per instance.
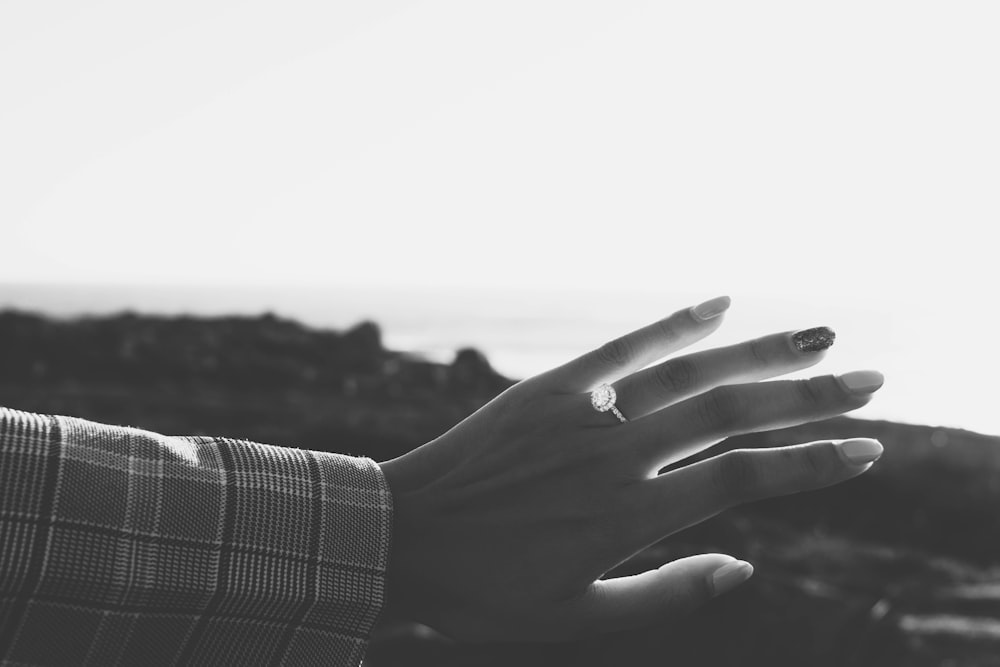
x,y
505,524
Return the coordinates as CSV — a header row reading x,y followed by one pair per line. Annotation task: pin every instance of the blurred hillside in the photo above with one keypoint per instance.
x,y
898,567
263,378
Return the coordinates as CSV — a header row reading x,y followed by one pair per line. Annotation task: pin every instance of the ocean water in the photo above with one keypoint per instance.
x,y
525,332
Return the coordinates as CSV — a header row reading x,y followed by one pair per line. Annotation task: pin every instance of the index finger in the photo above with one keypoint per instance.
x,y
622,356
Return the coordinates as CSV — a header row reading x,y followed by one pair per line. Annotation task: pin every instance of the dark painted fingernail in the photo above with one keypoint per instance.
x,y
813,340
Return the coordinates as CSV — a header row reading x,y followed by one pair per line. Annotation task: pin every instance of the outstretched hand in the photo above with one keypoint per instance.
x,y
505,524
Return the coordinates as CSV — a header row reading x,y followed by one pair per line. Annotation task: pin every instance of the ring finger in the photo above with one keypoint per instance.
x,y
679,378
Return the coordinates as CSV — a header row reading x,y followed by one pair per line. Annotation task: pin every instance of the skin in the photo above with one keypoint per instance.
x,y
505,524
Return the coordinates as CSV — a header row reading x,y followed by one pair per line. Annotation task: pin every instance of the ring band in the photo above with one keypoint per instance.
x,y
603,399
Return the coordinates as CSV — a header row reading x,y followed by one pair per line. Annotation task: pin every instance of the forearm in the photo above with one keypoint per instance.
x,y
196,547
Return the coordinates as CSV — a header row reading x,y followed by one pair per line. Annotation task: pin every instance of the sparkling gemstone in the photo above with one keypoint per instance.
x,y
603,398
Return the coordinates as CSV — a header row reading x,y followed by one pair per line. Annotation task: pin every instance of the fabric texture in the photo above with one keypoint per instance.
x,y
123,546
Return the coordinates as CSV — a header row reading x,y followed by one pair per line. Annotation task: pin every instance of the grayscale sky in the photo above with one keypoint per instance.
x,y
844,157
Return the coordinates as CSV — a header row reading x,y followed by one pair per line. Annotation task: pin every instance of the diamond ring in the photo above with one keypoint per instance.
x,y
603,399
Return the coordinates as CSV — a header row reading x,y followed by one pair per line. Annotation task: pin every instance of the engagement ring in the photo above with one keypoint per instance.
x,y
603,399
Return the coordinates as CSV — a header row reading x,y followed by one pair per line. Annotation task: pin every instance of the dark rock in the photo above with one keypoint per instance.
x,y
470,371
915,535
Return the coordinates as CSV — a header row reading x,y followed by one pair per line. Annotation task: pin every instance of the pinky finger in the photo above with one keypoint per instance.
x,y
663,594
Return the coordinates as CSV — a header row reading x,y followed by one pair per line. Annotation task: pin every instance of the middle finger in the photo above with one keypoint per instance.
x,y
681,430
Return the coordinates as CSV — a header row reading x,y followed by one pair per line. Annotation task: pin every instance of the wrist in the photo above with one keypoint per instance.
x,y
395,596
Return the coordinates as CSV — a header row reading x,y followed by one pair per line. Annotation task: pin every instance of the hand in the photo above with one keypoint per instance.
x,y
505,524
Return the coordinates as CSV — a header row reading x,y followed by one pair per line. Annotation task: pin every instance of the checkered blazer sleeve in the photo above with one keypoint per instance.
x,y
122,546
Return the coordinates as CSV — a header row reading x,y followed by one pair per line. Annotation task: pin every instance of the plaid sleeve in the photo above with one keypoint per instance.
x,y
122,546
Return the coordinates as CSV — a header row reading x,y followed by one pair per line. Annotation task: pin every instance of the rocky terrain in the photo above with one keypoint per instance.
x,y
898,567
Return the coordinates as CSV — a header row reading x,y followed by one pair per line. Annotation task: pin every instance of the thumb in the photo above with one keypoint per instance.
x,y
670,591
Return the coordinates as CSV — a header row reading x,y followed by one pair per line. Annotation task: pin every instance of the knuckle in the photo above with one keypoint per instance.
x,y
814,462
809,392
677,375
617,352
758,352
722,408
737,475
666,330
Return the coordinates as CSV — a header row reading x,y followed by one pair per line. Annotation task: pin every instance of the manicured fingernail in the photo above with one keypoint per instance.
x,y
860,451
813,340
861,382
730,575
711,308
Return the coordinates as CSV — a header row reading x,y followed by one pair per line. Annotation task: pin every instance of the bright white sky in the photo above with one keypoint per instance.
x,y
845,155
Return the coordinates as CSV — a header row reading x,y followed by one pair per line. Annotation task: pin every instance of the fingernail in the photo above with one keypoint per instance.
x,y
860,451
711,308
730,575
861,382
813,340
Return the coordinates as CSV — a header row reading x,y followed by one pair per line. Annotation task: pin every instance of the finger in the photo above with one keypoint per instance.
x,y
632,351
682,429
659,595
679,378
689,495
